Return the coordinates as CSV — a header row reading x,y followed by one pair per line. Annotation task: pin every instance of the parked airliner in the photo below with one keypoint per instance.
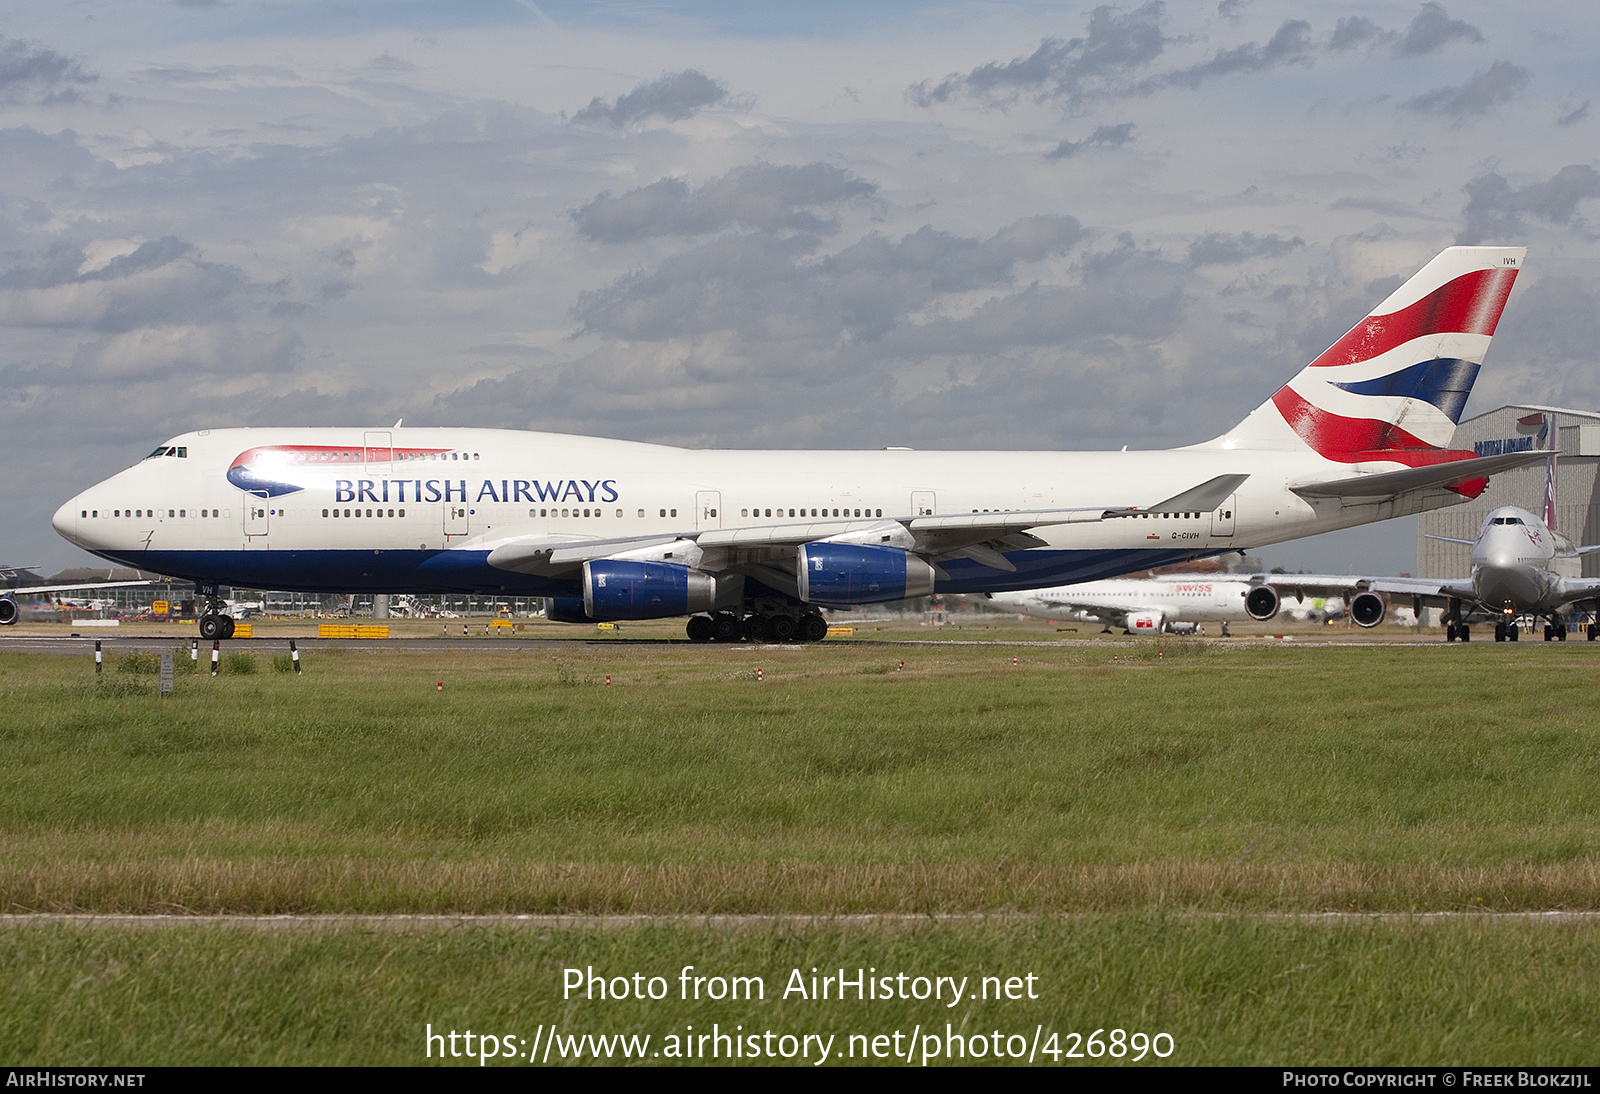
x,y
753,544
1148,605
1512,575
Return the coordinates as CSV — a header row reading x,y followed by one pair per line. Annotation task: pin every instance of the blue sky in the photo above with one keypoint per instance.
x,y
946,226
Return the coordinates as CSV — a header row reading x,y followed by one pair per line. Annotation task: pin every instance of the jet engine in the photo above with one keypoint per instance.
x,y
566,609
847,573
1368,609
1261,602
1145,622
8,611
620,589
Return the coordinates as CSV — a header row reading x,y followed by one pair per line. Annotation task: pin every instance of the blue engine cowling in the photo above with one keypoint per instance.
x,y
847,573
566,609
619,589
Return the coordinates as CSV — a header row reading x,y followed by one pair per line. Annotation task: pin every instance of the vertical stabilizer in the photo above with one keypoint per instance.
x,y
1392,389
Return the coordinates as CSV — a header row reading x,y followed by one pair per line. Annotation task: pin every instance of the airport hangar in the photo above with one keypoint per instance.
x,y
1510,429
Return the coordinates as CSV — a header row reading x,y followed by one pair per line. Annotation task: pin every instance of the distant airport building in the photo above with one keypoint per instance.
x,y
1512,429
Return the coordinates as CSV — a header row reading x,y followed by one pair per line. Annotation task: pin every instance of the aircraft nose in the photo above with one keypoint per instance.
x,y
65,522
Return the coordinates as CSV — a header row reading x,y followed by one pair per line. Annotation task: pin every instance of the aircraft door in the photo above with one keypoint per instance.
x,y
922,503
456,520
707,509
256,519
377,451
1222,518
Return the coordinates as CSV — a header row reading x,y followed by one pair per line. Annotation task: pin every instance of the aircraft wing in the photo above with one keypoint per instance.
x,y
763,550
1384,484
1579,588
30,589
1301,586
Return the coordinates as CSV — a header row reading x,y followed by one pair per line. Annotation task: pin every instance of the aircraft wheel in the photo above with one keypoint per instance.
x,y
1593,631
1466,633
725,628
757,628
699,628
1511,632
781,628
227,626
1561,632
1499,632
813,628
1549,632
211,627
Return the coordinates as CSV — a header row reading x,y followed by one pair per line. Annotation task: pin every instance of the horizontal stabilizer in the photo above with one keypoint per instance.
x,y
1197,499
1382,484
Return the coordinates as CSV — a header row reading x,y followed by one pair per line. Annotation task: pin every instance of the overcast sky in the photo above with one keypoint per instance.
x,y
967,225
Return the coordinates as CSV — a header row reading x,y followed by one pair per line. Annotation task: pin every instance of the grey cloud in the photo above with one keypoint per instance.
x,y
1573,117
763,287
1105,136
1355,31
1117,45
1480,94
147,256
158,283
760,196
674,97
1377,205
1494,211
1290,44
1231,9
1432,29
1220,249
29,73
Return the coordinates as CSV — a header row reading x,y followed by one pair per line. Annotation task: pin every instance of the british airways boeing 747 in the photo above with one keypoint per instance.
x,y
753,544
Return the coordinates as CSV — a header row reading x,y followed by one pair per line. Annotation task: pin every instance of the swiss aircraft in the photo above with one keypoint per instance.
x,y
1141,605
752,544
1512,575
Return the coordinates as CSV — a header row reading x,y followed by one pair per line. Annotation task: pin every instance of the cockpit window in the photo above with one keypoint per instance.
x,y
168,450
1507,520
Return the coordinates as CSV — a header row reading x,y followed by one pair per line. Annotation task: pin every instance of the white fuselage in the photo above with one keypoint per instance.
x,y
1192,598
418,510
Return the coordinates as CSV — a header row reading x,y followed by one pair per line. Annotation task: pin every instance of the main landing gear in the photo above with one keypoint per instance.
x,y
1505,632
1454,632
215,623
775,624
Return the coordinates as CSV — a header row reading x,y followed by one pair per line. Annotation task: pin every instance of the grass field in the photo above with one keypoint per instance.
x,y
1159,801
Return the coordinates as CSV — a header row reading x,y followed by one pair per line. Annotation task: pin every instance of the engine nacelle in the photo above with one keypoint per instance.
x,y
566,609
1368,609
847,573
1261,602
1145,622
621,589
9,612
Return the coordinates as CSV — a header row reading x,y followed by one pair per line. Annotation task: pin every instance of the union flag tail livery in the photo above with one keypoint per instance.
x,y
752,545
1392,389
